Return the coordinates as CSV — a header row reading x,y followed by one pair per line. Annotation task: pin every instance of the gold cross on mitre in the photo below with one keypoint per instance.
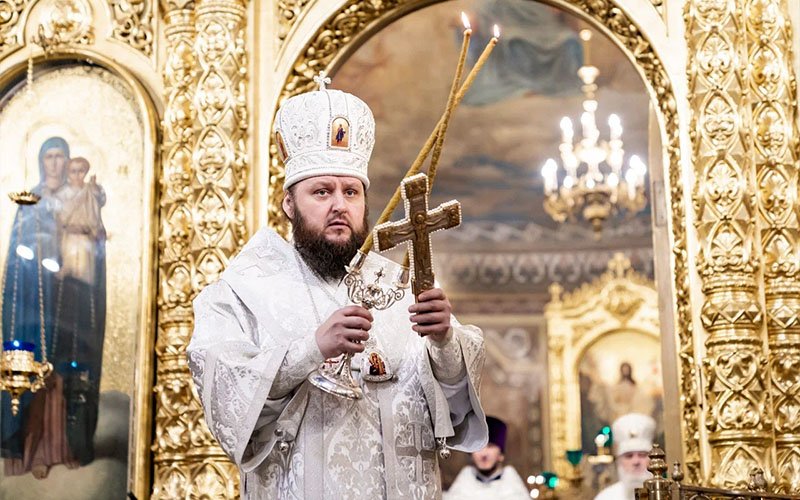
x,y
322,79
416,228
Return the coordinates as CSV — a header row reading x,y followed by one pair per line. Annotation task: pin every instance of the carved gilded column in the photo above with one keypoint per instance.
x,y
202,226
738,409
775,141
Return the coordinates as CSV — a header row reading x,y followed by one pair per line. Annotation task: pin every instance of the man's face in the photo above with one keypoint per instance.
x,y
331,206
634,462
76,173
488,459
53,162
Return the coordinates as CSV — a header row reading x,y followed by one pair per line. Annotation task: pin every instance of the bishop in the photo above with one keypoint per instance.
x,y
281,308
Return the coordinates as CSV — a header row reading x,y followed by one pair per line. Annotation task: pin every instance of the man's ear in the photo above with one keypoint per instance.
x,y
288,205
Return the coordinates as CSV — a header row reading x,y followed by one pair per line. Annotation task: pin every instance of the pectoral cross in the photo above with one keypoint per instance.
x,y
416,229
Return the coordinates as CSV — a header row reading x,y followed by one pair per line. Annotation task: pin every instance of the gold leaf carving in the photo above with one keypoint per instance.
x,y
739,408
10,11
133,23
65,22
719,121
205,170
715,58
288,12
775,156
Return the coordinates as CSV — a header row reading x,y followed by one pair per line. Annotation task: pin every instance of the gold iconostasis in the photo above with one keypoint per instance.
x,y
145,130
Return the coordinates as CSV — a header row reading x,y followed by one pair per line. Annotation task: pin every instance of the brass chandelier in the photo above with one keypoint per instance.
x,y
592,183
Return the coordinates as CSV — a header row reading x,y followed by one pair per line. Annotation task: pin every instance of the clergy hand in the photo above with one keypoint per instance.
x,y
431,314
343,331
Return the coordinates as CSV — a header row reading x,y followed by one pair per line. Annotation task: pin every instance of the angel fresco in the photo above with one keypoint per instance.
x,y
55,286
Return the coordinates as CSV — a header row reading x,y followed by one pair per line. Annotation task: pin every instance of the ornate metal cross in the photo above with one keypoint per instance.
x,y
416,228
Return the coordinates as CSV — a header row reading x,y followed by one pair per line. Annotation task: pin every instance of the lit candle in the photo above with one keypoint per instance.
x,y
615,127
600,440
587,123
638,166
630,180
479,63
549,170
566,130
451,103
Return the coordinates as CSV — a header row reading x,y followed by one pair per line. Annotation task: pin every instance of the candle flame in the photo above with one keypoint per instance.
x,y
496,30
465,20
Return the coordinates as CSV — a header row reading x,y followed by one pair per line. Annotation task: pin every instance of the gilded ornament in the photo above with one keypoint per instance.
x,y
775,156
133,23
10,12
288,13
204,131
65,22
737,385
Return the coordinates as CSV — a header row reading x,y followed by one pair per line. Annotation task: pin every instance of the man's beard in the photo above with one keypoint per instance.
x,y
327,259
632,480
489,472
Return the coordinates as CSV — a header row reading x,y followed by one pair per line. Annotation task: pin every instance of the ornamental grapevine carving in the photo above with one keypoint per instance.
x,y
10,12
773,109
340,31
65,22
133,23
205,169
288,13
738,411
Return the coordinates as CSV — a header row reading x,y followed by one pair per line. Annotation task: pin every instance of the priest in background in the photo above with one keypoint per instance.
x,y
281,308
633,439
488,478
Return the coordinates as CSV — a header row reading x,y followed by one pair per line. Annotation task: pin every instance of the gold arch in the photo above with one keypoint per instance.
x,y
355,21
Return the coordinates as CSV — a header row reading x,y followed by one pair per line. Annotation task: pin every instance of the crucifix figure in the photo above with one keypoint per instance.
x,y
416,229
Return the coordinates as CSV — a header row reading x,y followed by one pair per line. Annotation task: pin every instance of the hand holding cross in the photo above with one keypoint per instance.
x,y
415,229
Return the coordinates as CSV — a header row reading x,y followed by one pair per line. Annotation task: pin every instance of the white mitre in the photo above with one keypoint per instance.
x,y
633,432
324,132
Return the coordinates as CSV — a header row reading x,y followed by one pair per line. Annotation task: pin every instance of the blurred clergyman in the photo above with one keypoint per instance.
x,y
633,436
488,478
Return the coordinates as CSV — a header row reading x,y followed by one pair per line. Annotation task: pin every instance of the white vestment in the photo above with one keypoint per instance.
x,y
468,486
252,348
617,491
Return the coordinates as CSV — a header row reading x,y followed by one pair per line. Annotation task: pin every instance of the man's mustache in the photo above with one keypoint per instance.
x,y
340,220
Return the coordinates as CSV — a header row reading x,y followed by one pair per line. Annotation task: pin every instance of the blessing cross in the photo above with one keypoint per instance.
x,y
416,229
